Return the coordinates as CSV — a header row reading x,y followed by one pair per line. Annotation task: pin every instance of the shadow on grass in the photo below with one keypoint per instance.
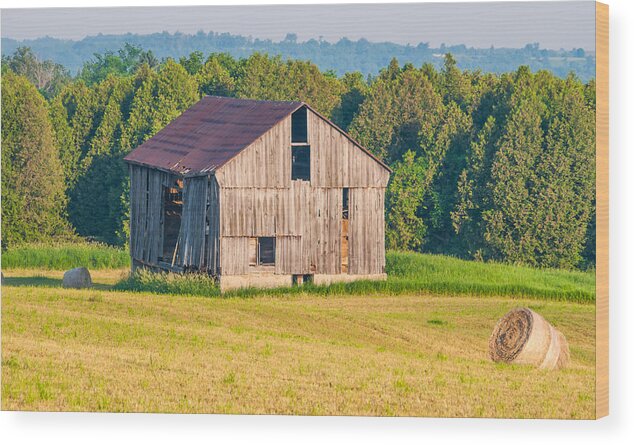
x,y
37,281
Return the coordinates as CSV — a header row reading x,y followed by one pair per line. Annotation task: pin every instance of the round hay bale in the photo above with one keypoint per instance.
x,y
524,337
77,278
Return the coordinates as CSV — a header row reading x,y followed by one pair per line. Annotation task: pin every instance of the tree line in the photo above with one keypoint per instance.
x,y
342,56
486,166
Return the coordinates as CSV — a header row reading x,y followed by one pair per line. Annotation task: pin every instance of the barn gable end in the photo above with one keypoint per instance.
x,y
335,161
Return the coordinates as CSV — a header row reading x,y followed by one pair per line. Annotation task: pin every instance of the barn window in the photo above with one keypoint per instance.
x,y
300,170
299,126
266,251
344,212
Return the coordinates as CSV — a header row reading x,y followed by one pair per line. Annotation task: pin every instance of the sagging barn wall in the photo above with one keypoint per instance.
x,y
196,243
259,199
146,213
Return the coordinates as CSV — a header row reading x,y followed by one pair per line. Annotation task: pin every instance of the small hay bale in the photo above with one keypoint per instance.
x,y
77,278
524,337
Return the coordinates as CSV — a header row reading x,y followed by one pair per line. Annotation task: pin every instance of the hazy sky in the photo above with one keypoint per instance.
x,y
553,24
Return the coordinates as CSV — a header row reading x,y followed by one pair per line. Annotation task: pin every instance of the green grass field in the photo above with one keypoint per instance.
x,y
65,256
407,273
415,345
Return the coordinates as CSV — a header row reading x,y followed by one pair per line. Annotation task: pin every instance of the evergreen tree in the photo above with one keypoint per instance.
x,y
214,79
260,77
125,62
455,85
473,192
511,222
542,178
405,226
566,176
95,204
444,150
141,116
355,90
73,114
269,78
33,198
400,104
193,63
175,92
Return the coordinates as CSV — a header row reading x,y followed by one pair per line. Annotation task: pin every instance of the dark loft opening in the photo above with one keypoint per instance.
x,y
344,213
300,170
173,209
266,251
299,126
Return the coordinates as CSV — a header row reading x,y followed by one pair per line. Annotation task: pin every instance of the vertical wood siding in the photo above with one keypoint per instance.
x,y
265,163
138,190
335,161
324,226
234,255
310,220
199,234
146,213
191,237
367,231
288,255
213,218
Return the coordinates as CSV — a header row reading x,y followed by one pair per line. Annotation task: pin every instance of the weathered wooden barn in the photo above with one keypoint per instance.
x,y
257,193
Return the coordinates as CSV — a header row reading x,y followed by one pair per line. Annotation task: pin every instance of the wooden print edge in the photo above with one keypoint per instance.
x,y
602,210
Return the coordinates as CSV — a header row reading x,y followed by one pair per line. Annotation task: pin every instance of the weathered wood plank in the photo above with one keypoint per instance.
x,y
191,247
234,255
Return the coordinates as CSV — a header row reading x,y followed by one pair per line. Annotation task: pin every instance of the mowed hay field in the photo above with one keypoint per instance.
x,y
412,354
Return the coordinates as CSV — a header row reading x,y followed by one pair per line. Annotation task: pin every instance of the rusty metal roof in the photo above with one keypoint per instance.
x,y
210,133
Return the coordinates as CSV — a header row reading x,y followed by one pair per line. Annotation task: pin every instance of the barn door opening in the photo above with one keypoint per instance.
x,y
173,210
344,232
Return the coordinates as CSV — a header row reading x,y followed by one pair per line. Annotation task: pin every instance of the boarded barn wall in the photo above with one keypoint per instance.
x,y
259,199
288,255
367,231
308,221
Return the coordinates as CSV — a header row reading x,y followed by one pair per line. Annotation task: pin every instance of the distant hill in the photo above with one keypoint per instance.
x,y
343,56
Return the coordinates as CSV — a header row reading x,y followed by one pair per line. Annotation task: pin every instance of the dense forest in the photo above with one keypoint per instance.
x,y
342,56
486,166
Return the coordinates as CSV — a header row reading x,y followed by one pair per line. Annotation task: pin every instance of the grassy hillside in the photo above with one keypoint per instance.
x,y
412,354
